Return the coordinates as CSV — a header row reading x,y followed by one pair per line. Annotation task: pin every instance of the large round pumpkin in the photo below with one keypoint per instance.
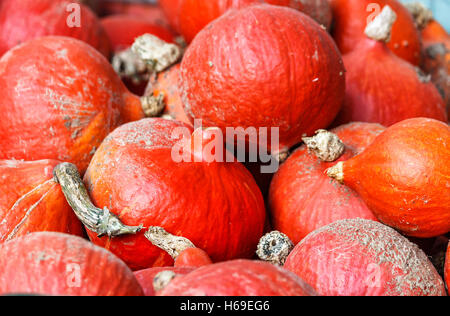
x,y
263,66
60,98
302,198
58,264
24,20
363,258
135,173
189,17
31,200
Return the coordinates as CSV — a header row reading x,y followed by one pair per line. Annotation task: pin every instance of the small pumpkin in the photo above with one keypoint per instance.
x,y
381,87
31,200
404,177
50,263
60,98
189,17
302,198
238,278
350,18
24,20
134,175
358,257
256,68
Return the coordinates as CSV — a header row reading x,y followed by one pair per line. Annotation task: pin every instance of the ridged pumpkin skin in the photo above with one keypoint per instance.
x,y
216,205
31,201
404,177
382,88
23,20
167,83
238,278
59,264
189,17
350,19
60,98
302,198
263,66
358,257
145,277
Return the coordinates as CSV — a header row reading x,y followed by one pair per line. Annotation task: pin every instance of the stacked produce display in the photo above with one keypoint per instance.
x,y
224,148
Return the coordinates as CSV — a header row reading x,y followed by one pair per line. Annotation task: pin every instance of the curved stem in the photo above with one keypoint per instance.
x,y
326,145
152,105
337,172
381,27
421,14
102,222
171,244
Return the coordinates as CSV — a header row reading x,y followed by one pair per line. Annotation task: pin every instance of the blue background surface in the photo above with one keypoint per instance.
x,y
440,8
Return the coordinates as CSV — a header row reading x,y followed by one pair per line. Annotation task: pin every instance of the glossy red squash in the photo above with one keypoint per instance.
x,y
58,264
60,98
350,18
31,200
216,205
255,67
404,177
189,17
383,88
358,257
238,278
24,20
302,198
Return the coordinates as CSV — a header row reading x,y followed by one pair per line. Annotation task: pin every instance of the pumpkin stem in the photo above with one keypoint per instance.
x,y
337,172
162,279
325,145
380,28
421,14
127,64
274,247
156,53
173,245
102,222
153,105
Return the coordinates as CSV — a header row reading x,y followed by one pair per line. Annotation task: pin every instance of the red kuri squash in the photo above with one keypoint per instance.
x,y
381,87
263,66
302,198
31,200
404,177
358,257
136,174
350,18
238,278
59,264
60,98
189,17
24,20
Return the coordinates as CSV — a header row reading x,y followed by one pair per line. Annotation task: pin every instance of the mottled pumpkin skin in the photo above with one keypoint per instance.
x,y
31,201
238,278
51,263
23,20
350,20
216,205
404,177
145,277
382,88
302,198
263,66
358,257
189,17
59,98
167,83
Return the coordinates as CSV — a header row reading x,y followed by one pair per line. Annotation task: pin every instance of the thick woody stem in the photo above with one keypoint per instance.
x,y
325,145
171,244
381,27
152,105
337,172
274,247
156,53
421,14
162,279
102,222
127,64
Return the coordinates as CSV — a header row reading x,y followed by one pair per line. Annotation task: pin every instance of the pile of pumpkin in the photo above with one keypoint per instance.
x,y
92,203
